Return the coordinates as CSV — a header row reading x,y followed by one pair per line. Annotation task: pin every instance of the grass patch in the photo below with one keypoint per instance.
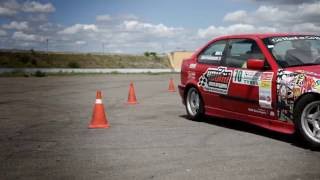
x,y
32,59
73,64
42,74
39,74
23,74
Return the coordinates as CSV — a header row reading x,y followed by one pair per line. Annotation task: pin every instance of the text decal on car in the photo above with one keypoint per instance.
x,y
265,90
216,80
246,77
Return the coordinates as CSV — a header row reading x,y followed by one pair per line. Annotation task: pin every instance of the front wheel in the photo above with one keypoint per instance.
x,y
307,117
194,104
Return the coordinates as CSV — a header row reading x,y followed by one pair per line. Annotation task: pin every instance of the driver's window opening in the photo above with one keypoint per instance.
x,y
214,53
240,51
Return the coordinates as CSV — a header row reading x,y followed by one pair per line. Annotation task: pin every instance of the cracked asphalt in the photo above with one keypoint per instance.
x,y
44,135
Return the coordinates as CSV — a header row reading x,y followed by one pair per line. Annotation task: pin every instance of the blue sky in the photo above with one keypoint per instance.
x,y
184,13
136,26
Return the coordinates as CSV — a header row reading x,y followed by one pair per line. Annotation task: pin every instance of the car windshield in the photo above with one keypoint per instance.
x,y
295,50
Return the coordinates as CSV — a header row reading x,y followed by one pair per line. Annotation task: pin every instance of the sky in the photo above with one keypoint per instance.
x,y
137,26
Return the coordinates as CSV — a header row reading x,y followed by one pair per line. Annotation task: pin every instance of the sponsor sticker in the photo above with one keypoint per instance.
x,y
212,58
192,66
218,53
246,77
290,38
270,46
259,111
265,90
216,80
290,86
191,75
272,113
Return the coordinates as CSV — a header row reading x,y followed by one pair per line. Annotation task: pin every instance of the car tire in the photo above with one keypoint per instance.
x,y
307,119
194,104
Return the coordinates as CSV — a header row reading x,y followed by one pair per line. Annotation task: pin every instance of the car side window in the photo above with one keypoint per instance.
x,y
240,50
213,54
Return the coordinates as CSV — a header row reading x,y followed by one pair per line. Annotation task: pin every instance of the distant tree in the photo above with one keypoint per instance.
x,y
33,52
154,54
146,54
73,64
39,74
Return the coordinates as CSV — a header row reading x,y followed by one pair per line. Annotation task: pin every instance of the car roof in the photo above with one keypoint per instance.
x,y
262,35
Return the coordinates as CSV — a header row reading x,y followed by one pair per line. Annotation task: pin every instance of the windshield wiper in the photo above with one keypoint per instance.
x,y
305,64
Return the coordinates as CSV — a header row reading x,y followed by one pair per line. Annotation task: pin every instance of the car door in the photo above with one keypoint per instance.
x,y
208,62
250,91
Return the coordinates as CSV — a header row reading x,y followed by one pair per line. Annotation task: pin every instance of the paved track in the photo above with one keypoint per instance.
x,y
44,135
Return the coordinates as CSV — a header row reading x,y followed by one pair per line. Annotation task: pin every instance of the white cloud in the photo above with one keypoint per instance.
x,y
276,15
159,29
284,1
9,7
305,27
269,14
264,14
213,31
239,16
81,42
79,28
12,7
7,12
17,25
105,17
21,36
3,33
36,7
310,9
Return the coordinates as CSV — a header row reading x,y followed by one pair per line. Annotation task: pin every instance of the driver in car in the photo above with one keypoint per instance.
x,y
300,54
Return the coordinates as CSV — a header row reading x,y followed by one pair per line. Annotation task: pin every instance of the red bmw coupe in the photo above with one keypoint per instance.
x,y
270,80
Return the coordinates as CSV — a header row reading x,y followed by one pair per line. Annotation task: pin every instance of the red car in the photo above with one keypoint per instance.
x,y
270,80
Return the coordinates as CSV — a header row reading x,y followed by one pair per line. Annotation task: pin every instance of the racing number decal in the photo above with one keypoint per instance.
x,y
237,76
246,77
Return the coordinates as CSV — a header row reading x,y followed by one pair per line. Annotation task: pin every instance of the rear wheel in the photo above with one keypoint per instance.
x,y
194,104
307,118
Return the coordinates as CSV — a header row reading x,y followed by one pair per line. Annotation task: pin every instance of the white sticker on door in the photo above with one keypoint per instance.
x,y
246,77
216,80
265,90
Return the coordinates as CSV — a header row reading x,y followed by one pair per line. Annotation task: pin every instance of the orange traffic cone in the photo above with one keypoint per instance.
x,y
132,96
99,119
171,86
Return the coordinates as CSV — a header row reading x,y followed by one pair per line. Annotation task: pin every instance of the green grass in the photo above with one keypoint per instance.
x,y
111,73
23,74
42,74
34,59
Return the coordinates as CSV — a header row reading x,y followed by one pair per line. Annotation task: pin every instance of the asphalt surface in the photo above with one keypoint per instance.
x,y
44,135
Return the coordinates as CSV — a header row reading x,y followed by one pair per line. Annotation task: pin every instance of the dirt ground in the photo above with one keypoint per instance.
x,y
44,135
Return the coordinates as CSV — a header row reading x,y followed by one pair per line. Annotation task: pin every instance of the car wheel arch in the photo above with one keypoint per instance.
x,y
300,106
188,86
316,95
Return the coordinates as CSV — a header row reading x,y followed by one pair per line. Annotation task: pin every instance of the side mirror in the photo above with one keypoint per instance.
x,y
256,64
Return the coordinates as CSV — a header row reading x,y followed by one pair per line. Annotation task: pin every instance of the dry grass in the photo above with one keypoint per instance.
x,y
54,60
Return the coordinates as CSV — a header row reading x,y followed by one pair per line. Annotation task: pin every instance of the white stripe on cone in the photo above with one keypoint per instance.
x,y
98,101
